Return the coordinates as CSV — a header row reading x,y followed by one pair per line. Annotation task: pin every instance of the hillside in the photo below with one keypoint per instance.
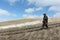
x,y
32,32
18,21
27,20
53,33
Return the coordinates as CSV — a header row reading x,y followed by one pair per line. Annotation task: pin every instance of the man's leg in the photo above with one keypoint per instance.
x,y
43,26
46,25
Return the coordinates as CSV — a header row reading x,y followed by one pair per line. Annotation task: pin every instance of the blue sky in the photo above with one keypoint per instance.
x,y
21,9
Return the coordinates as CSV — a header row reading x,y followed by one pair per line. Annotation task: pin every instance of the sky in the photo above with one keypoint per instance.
x,y
22,9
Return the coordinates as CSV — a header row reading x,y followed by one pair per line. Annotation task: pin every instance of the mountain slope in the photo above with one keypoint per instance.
x,y
52,33
27,20
32,32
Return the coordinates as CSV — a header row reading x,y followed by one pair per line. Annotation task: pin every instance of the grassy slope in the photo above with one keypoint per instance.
x,y
48,34
27,20
18,21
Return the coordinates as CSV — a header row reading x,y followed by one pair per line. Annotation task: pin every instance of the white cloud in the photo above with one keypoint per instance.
x,y
29,10
11,2
39,8
30,16
57,15
55,8
43,2
25,16
6,13
54,5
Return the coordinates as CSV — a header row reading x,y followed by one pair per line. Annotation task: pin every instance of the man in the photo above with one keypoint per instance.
x,y
45,21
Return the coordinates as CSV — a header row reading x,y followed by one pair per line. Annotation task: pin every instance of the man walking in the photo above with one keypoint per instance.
x,y
45,21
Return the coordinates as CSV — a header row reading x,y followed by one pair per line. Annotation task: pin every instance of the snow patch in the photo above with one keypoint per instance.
x,y
20,25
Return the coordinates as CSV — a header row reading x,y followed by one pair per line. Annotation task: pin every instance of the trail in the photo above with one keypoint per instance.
x,y
29,30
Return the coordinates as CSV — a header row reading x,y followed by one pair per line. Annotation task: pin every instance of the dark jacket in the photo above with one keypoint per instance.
x,y
45,20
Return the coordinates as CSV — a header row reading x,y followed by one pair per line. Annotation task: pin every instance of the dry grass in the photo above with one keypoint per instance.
x,y
27,20
48,34
18,21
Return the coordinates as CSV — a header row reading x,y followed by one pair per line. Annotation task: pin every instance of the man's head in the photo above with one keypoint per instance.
x,y
44,14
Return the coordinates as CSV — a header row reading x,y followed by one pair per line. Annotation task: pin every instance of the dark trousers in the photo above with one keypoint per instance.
x,y
45,25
